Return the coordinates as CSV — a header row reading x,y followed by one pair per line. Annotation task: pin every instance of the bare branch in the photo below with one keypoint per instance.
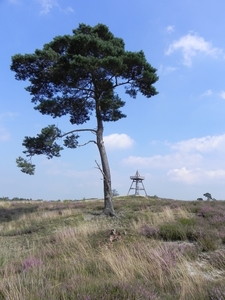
x,y
79,130
103,174
122,83
91,141
98,167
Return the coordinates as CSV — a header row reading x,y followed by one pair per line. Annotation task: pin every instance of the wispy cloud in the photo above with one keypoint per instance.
x,y
4,134
69,9
203,145
166,70
192,161
207,93
195,176
6,116
190,45
163,161
170,29
222,94
48,5
118,141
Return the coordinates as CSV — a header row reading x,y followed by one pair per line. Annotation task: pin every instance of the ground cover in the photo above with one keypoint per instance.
x,y
165,249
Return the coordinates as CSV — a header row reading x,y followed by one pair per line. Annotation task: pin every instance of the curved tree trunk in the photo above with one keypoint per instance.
x,y
108,205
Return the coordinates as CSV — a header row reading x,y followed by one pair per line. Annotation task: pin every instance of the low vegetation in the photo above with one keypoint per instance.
x,y
165,249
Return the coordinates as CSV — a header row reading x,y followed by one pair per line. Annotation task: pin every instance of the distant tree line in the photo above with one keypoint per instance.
x,y
17,199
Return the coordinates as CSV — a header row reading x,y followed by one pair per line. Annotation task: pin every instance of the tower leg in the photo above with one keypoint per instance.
x,y
130,187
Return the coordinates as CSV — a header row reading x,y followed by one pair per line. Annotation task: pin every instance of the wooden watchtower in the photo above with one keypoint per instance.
x,y
138,184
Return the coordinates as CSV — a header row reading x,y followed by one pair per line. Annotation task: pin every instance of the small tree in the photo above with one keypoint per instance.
x,y
208,196
199,199
115,193
77,75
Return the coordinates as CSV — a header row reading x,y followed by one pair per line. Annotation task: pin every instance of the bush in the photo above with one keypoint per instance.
x,y
171,232
186,222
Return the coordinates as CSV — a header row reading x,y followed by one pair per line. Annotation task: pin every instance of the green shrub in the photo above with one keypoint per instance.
x,y
172,232
186,222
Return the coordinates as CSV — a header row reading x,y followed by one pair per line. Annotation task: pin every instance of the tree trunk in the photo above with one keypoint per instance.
x,y
108,205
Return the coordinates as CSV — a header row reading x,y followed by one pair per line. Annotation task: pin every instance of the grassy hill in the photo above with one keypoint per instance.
x,y
163,249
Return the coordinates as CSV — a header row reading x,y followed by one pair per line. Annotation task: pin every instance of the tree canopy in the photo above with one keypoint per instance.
x,y
208,196
77,75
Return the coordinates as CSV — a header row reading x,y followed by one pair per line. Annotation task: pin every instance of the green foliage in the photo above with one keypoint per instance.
x,y
44,143
4,198
199,199
71,141
171,232
25,165
208,196
71,73
187,222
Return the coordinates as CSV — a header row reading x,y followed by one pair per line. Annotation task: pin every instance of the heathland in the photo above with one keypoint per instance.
x,y
156,249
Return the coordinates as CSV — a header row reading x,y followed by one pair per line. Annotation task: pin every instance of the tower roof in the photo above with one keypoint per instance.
x,y
137,176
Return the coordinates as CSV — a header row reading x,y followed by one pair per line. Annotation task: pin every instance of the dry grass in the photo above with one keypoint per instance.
x,y
166,215
58,251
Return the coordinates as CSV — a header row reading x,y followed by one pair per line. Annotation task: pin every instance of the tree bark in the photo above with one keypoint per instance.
x,y
108,205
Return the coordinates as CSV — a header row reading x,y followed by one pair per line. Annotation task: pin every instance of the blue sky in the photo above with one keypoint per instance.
x,y
175,139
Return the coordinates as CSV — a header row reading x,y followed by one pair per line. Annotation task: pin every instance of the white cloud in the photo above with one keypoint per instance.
x,y
194,161
118,141
207,93
203,145
195,176
163,161
166,70
48,5
170,29
222,94
8,115
183,175
190,45
4,135
68,10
